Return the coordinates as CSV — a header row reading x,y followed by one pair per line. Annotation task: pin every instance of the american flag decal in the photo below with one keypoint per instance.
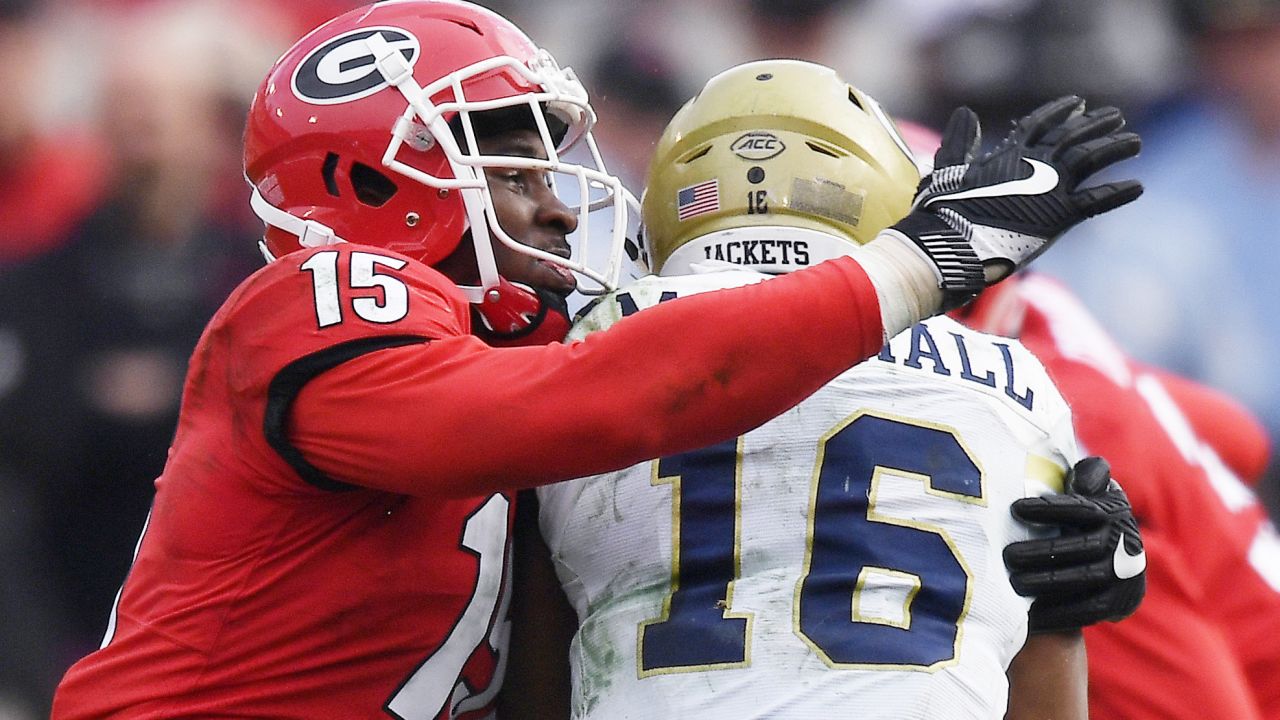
x,y
698,199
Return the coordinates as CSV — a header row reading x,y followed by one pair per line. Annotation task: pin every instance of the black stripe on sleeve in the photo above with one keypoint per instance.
x,y
289,381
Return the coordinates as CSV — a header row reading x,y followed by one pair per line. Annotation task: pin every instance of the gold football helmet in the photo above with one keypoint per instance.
x,y
769,144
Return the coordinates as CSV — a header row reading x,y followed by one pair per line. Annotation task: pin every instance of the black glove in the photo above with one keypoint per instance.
x,y
979,218
1096,569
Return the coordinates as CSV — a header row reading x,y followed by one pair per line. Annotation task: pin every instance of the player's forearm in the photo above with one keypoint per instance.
x,y
1048,679
905,282
688,373
543,623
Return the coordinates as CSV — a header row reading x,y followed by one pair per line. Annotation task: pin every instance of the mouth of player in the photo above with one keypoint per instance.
x,y
560,278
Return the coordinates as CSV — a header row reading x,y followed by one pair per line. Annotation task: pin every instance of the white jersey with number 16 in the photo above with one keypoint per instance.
x,y
843,559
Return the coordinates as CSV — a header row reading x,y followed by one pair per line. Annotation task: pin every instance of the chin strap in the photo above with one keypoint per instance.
x,y
309,232
513,315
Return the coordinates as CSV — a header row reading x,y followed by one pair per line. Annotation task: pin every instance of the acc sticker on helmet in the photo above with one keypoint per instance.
x,y
757,145
342,69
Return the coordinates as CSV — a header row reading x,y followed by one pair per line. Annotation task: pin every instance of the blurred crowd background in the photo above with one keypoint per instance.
x,y
124,219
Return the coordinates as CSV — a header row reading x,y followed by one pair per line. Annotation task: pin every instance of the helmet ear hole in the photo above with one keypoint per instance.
x,y
696,154
327,172
820,149
372,187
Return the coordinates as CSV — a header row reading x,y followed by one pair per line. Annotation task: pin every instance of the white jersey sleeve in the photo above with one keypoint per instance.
x,y
842,560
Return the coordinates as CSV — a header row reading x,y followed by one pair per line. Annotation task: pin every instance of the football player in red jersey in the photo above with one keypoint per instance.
x,y
329,535
1191,650
1198,646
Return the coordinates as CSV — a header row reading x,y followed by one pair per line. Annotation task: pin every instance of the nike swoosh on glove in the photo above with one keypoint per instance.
x,y
1095,570
981,217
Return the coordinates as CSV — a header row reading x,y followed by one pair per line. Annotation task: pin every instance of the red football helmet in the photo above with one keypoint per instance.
x,y
363,132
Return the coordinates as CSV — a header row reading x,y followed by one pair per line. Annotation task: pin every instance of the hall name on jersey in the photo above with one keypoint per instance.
x,y
951,357
760,252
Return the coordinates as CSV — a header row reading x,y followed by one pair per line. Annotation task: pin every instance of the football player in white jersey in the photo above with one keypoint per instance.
x,y
844,559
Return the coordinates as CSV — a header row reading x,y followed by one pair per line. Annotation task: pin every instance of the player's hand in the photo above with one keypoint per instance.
x,y
1095,569
981,217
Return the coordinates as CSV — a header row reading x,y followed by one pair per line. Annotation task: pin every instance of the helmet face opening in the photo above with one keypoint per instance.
x,y
489,123
774,144
358,136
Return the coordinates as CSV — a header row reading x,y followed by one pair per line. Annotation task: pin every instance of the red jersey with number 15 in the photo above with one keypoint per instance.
x,y
264,587
329,536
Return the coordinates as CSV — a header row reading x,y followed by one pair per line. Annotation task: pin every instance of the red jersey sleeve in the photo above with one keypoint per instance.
x,y
1230,429
456,417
